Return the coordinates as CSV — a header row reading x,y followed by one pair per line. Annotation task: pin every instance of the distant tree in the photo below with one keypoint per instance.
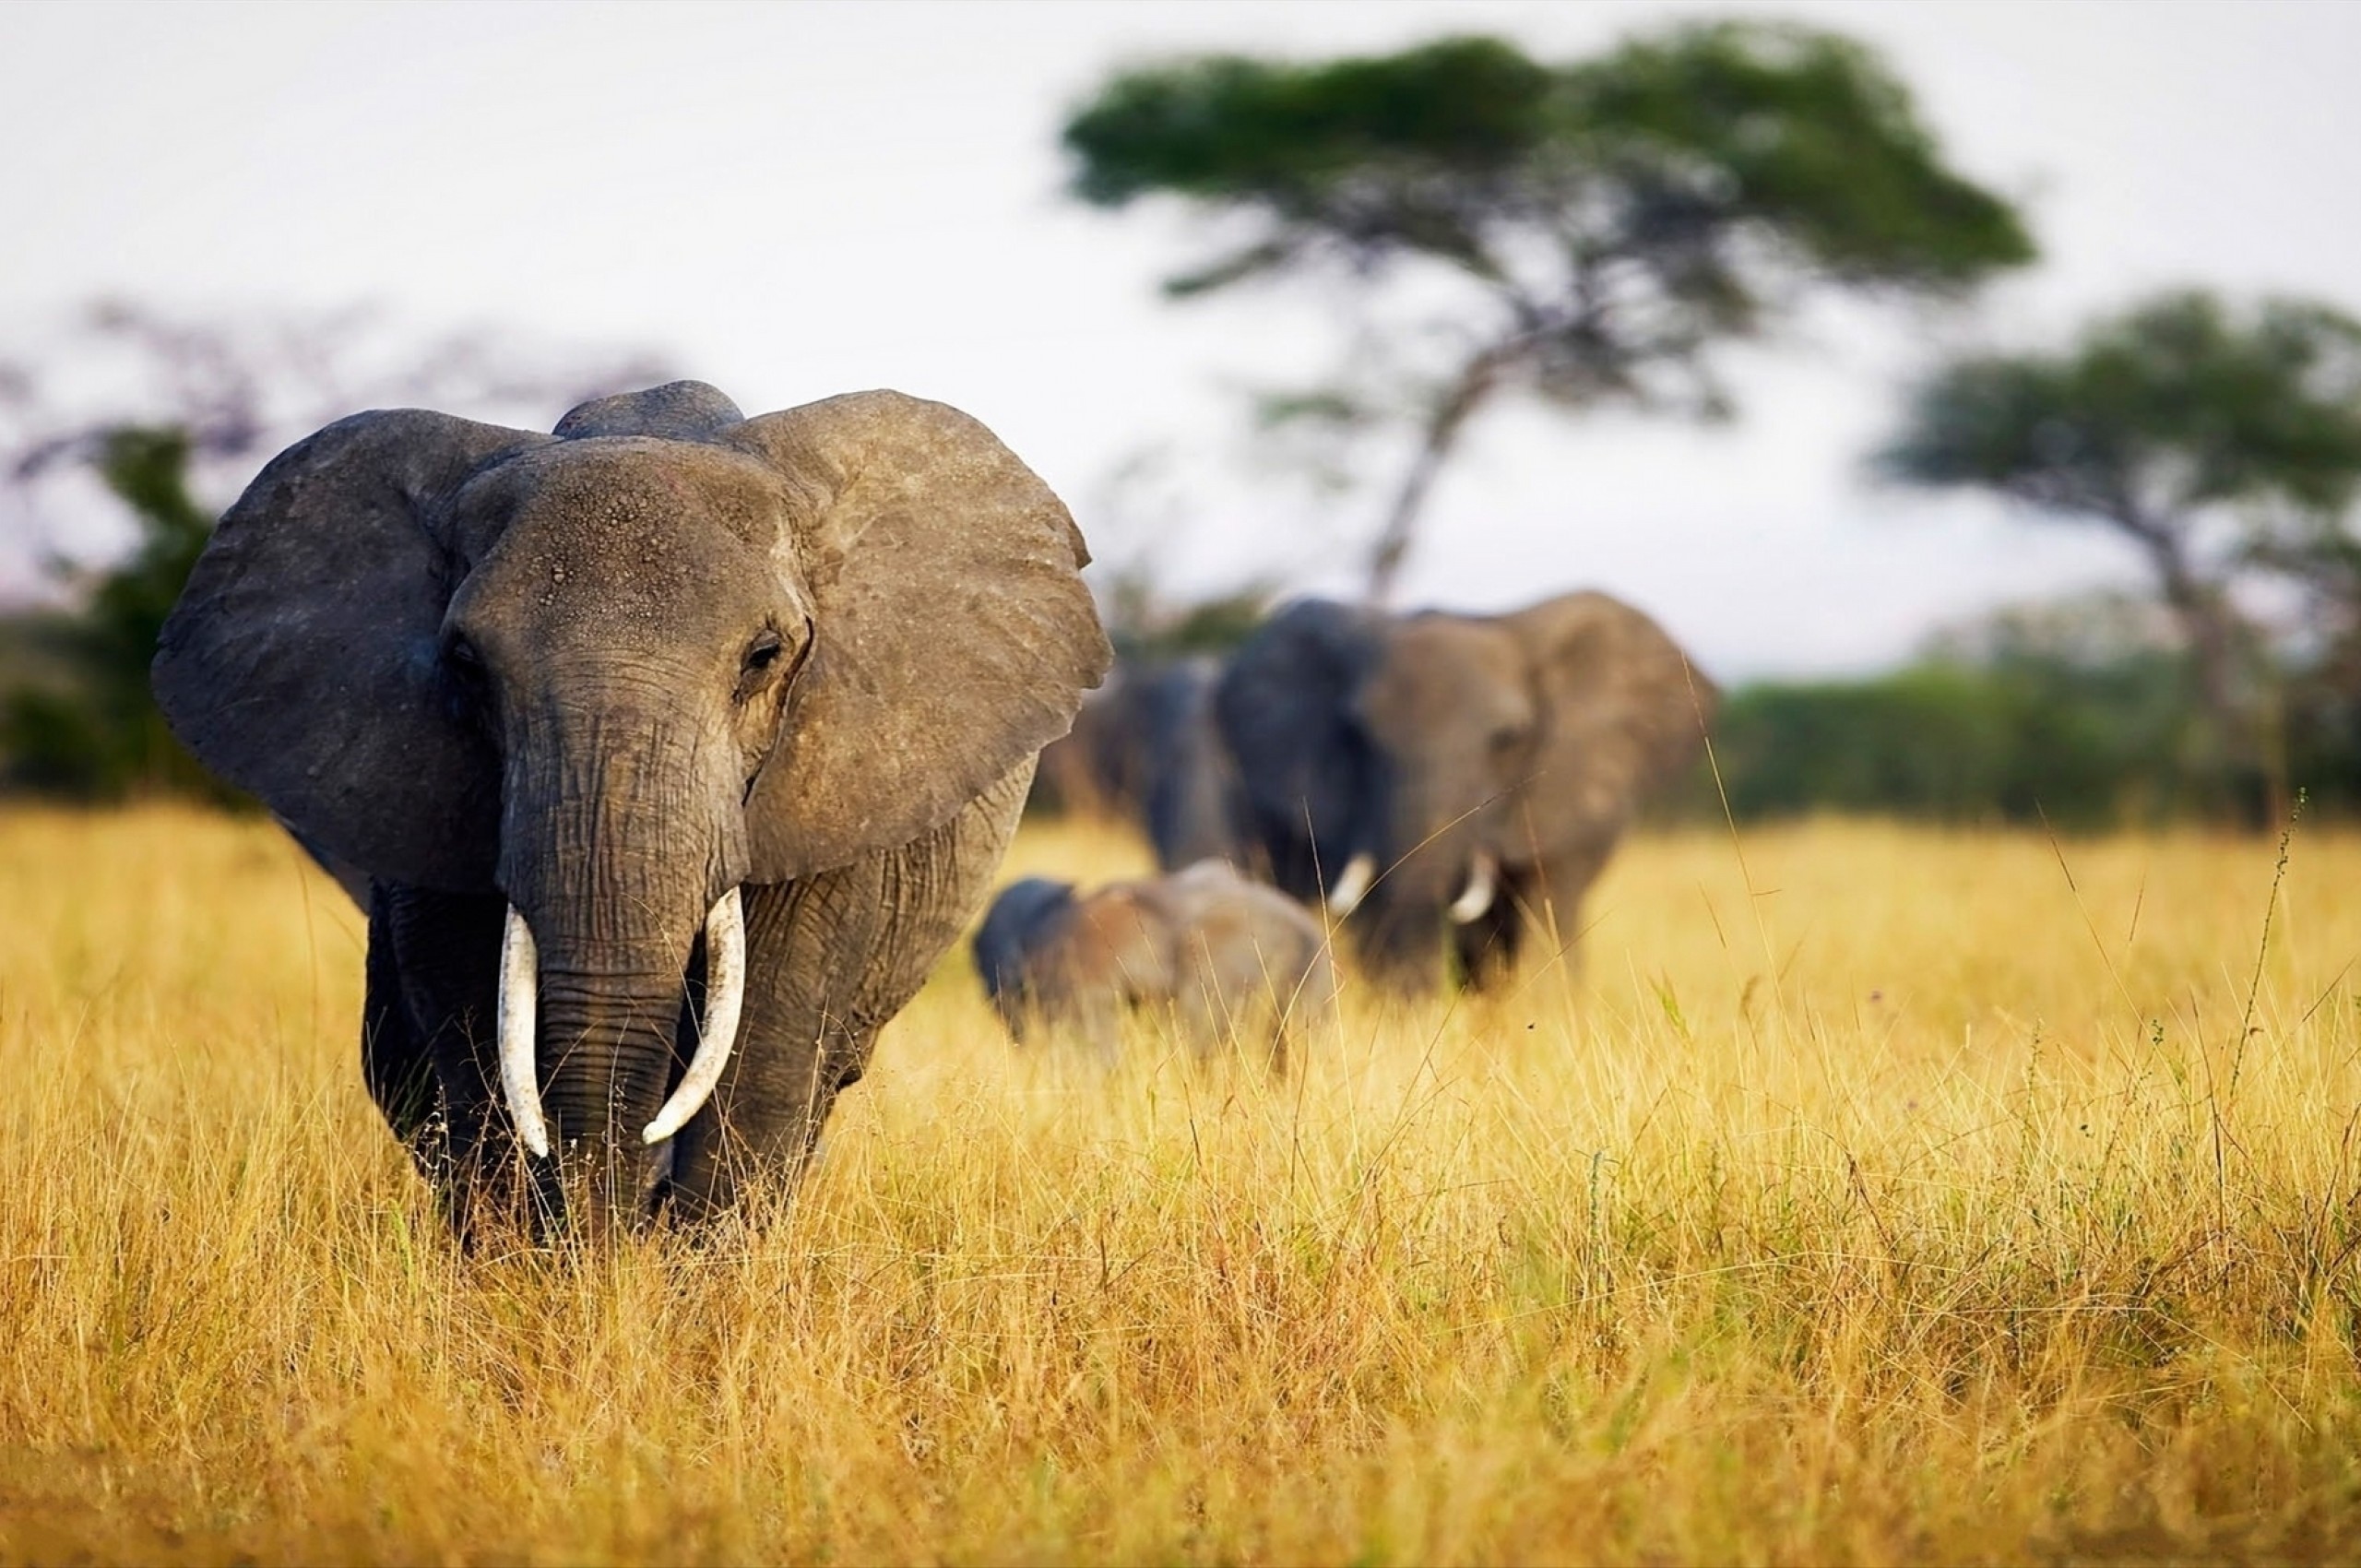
x,y
240,388
96,734
1604,224
2216,441
2074,713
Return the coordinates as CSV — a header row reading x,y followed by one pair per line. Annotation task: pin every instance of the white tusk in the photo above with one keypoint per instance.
x,y
520,965
1483,881
725,995
1353,886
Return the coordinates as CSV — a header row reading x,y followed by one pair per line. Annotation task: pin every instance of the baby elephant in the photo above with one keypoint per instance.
x,y
1236,962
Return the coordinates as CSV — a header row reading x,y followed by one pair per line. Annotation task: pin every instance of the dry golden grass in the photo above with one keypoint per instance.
x,y
1886,1197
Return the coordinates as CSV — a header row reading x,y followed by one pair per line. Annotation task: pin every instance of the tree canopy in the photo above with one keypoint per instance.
x,y
1614,217
2217,440
2154,418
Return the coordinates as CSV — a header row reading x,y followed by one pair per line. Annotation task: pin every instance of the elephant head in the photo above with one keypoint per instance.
x,y
1437,769
1025,920
613,674
1054,960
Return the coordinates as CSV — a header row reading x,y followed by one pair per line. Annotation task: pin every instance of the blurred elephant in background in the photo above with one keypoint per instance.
x,y
1097,768
1462,774
1237,962
1190,809
674,745
1143,750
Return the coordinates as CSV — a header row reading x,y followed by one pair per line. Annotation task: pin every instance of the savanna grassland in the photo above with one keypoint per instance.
x,y
1871,1194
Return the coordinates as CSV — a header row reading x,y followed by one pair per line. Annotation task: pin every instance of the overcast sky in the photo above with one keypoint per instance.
x,y
796,200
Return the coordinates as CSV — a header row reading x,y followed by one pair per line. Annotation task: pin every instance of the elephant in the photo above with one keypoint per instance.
x,y
1097,768
1235,961
1468,776
1143,750
674,746
1190,808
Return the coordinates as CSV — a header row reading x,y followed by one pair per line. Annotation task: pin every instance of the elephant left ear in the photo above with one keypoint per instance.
x,y
954,636
1623,713
303,663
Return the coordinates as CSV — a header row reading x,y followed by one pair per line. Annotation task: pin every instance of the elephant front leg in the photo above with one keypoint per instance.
x,y
395,1063
763,1122
829,960
433,986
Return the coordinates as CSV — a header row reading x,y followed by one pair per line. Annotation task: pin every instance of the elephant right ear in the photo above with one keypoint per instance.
x,y
1624,711
302,661
953,635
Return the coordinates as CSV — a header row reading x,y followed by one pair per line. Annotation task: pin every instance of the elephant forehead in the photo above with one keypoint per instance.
x,y
625,531
625,495
1440,671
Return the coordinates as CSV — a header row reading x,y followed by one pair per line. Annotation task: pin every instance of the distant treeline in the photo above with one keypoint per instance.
x,y
2084,715
2012,734
77,721
2020,741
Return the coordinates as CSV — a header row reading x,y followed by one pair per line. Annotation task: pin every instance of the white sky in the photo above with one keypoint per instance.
x,y
796,200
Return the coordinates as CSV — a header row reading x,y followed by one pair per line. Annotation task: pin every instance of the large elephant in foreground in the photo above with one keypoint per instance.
x,y
676,746
1460,774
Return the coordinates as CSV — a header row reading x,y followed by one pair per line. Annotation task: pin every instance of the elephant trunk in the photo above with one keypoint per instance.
x,y
1448,877
1480,887
609,889
606,1043
725,936
1400,935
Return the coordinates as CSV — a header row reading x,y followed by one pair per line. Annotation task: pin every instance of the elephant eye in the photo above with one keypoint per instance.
x,y
466,692
761,665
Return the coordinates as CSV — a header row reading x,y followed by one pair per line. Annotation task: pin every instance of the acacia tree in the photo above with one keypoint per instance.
x,y
1602,225
2216,441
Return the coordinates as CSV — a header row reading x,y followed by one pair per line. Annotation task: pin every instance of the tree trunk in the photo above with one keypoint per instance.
x,y
1467,392
2216,643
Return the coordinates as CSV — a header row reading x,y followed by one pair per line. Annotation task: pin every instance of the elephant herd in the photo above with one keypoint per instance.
x,y
1448,787
670,750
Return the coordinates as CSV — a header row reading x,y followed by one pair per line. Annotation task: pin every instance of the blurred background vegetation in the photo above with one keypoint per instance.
x,y
1579,234
76,717
171,416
